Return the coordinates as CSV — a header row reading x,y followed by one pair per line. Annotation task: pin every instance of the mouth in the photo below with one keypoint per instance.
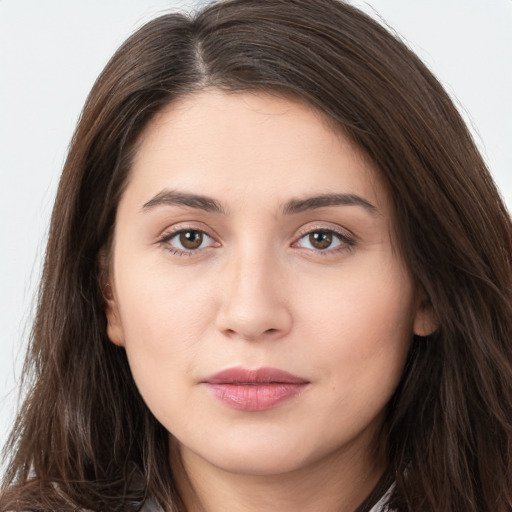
x,y
254,390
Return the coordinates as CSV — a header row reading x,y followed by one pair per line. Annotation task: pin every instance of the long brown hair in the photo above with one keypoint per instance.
x,y
85,439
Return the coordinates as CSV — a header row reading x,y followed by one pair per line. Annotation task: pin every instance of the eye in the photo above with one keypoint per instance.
x,y
324,240
187,240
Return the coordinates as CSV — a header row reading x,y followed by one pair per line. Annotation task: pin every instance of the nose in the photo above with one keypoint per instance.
x,y
255,303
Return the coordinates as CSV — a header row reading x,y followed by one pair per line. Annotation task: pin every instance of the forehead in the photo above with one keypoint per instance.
x,y
250,147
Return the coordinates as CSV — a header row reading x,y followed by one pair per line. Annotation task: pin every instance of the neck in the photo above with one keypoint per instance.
x,y
339,482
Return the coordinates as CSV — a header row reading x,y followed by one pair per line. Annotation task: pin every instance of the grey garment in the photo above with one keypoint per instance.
x,y
151,506
382,505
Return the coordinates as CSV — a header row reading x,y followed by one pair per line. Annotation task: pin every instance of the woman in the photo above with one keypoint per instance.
x,y
277,278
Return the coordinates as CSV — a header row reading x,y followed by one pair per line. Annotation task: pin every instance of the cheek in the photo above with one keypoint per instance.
x,y
165,315
165,320
360,322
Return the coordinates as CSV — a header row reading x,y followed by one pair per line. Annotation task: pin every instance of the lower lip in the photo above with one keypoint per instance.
x,y
255,397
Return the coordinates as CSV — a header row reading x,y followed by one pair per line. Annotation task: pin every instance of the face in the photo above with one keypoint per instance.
x,y
254,285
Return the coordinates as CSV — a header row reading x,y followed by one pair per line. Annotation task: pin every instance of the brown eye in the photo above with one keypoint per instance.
x,y
320,239
191,239
325,241
188,241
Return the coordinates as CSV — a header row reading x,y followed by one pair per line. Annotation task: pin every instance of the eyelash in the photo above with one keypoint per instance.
x,y
346,241
164,241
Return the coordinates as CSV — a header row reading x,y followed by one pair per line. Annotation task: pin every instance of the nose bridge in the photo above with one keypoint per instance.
x,y
254,301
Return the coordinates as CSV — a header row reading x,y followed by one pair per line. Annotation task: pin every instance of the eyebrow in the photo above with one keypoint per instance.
x,y
176,198
324,200
294,206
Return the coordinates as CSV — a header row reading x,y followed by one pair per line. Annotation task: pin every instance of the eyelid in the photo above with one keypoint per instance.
x,y
172,231
325,226
184,225
347,238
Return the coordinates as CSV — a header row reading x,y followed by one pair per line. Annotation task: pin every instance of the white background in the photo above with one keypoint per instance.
x,y
51,52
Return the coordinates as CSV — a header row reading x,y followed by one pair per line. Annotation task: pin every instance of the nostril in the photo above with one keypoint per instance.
x,y
266,318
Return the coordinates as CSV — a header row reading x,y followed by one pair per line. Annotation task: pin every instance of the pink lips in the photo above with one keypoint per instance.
x,y
254,390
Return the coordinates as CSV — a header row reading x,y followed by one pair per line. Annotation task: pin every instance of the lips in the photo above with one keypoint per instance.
x,y
254,390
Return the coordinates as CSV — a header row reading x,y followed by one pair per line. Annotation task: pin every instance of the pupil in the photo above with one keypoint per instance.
x,y
191,239
320,239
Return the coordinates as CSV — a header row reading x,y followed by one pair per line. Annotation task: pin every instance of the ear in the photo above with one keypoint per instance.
x,y
108,292
425,319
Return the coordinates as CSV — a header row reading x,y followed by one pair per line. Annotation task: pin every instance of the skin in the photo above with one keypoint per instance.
x,y
259,292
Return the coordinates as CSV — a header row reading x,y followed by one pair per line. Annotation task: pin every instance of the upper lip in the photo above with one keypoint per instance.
x,y
263,375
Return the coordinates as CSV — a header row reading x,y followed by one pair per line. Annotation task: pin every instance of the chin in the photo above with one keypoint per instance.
x,y
264,463
258,455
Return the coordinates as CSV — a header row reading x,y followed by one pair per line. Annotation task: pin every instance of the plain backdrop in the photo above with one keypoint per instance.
x,y
51,52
